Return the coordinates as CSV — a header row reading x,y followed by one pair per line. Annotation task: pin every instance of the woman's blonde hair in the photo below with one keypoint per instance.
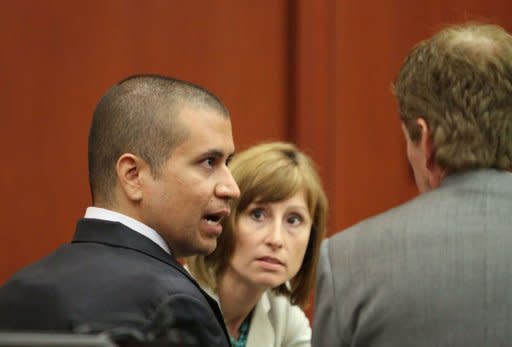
x,y
270,172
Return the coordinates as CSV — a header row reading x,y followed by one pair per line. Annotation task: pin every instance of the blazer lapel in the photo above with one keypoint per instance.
x,y
261,332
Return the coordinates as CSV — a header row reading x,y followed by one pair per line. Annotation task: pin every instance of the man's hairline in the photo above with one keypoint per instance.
x,y
183,129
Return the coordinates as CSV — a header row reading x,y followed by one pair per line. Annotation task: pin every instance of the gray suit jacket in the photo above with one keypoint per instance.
x,y
436,271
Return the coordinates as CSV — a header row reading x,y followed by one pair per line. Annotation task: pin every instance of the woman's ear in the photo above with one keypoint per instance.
x,y
128,169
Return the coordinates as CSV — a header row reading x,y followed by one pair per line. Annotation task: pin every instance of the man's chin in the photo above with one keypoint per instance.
x,y
205,248
208,247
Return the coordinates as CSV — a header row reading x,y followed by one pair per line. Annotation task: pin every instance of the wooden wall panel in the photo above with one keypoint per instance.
x,y
348,53
58,57
313,88
314,72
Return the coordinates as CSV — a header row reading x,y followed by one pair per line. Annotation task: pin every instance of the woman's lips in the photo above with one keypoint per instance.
x,y
271,260
270,263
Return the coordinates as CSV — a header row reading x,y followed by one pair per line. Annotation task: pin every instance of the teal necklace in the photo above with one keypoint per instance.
x,y
244,332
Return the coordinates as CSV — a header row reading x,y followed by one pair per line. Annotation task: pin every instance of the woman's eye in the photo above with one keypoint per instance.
x,y
257,213
295,219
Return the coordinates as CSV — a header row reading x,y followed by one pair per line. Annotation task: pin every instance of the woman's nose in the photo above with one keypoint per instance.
x,y
275,235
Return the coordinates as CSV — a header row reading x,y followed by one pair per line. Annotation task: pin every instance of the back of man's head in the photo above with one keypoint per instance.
x,y
139,115
460,82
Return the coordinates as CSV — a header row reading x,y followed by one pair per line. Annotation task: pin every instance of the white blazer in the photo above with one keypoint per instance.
x,y
277,323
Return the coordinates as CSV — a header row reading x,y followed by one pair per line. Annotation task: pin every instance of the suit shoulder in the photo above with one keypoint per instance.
x,y
386,225
379,219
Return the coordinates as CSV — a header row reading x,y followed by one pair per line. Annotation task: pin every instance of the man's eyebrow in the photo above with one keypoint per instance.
x,y
218,155
215,153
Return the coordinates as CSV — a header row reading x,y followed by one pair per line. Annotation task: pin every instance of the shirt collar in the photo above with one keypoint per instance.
x,y
135,225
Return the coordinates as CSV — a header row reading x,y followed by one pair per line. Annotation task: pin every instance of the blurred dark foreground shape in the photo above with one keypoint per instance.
x,y
162,331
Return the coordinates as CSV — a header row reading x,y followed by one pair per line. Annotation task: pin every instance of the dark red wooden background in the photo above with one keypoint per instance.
x,y
315,72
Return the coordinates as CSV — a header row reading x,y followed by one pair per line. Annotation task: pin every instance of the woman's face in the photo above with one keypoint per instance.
x,y
270,241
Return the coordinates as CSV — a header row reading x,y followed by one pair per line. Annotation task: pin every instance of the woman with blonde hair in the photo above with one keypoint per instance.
x,y
263,268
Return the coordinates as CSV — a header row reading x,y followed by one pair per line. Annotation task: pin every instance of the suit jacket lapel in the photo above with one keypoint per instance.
x,y
118,235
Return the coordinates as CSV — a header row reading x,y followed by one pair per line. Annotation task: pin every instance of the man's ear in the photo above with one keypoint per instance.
x,y
434,171
129,168
425,141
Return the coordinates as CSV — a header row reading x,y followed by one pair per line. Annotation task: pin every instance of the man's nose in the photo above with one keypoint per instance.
x,y
228,189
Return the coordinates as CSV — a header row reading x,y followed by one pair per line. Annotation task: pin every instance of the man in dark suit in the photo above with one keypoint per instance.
x,y
437,270
158,149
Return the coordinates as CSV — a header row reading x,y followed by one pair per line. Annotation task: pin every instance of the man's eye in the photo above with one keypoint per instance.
x,y
209,162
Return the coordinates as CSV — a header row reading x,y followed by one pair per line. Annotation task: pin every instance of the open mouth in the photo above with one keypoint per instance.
x,y
213,219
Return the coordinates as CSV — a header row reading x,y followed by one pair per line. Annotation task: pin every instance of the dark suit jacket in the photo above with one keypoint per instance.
x,y
108,275
436,271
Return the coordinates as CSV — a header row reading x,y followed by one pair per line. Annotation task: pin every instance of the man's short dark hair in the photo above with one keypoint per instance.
x,y
139,115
